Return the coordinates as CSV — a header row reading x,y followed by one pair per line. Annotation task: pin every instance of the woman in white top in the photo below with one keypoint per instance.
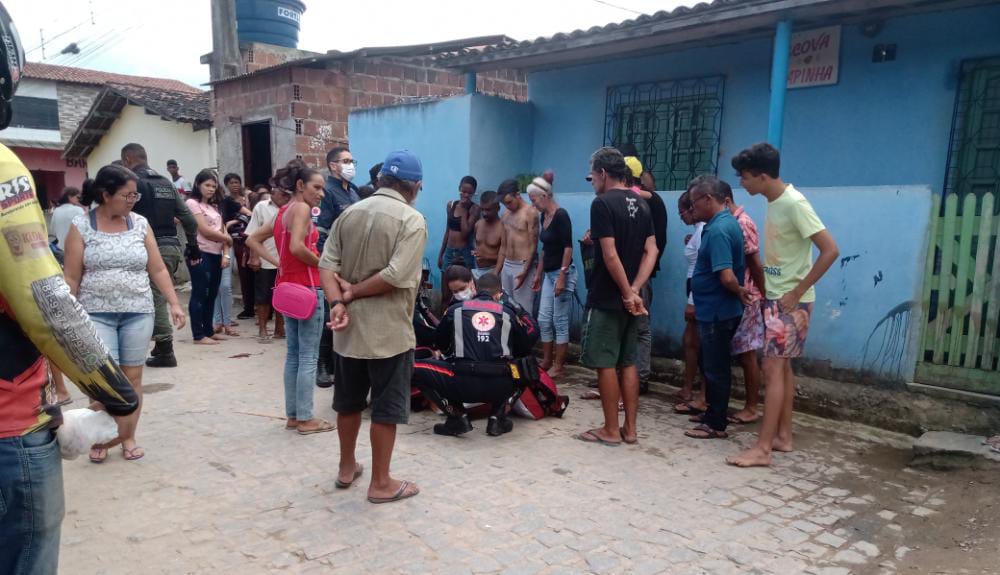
x,y
62,217
111,255
691,343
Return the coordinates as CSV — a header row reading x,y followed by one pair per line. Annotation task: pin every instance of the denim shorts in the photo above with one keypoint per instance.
x,y
126,335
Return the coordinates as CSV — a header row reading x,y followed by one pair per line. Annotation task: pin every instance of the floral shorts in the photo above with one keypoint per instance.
x,y
750,334
785,333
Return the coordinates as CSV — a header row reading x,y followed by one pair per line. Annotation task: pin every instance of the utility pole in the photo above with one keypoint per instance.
x,y
41,34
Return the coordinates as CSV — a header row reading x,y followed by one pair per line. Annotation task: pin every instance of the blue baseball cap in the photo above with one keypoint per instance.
x,y
403,164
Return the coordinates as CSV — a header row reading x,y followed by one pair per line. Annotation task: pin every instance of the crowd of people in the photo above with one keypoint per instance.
x,y
338,268
285,236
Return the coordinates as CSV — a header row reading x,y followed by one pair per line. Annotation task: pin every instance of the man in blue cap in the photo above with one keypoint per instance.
x,y
371,287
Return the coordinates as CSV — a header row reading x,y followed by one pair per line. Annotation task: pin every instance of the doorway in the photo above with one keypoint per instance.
x,y
257,167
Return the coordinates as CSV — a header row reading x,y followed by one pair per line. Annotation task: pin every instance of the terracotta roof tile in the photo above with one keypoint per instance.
x,y
39,71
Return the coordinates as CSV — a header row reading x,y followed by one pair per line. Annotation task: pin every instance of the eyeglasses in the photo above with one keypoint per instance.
x,y
347,162
133,197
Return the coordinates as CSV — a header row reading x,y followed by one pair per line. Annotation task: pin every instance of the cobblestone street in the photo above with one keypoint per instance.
x,y
224,488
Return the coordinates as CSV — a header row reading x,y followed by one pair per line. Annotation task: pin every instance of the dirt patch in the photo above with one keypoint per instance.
x,y
926,521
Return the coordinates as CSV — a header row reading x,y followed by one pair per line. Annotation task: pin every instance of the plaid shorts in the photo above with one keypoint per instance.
x,y
785,333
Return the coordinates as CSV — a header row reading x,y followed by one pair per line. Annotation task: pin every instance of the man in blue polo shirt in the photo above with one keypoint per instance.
x,y
719,297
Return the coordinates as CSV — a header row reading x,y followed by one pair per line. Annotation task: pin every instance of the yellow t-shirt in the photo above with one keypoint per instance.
x,y
788,229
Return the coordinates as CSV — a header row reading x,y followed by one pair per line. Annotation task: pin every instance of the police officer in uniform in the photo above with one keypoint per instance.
x,y
482,337
160,203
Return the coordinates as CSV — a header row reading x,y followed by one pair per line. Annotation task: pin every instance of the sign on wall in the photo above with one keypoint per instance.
x,y
814,58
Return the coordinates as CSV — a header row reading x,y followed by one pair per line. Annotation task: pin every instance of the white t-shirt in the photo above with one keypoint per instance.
x,y
264,213
182,186
62,219
691,252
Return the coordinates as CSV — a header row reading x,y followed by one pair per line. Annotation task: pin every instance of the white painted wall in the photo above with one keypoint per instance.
x,y
163,140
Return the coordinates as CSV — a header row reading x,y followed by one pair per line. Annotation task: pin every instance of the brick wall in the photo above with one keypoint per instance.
x,y
256,56
309,107
75,101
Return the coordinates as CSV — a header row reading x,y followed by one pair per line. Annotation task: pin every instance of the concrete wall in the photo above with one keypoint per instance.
x,y
501,140
438,133
162,139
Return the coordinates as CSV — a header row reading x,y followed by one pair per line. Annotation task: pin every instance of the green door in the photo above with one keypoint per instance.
x,y
961,342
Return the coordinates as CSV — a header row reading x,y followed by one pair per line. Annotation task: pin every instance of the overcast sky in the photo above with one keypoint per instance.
x,y
167,38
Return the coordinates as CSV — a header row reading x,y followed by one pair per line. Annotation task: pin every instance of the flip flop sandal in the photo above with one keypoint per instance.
x,y
633,442
345,484
591,394
98,459
399,496
591,437
739,421
327,426
292,426
685,408
129,454
706,432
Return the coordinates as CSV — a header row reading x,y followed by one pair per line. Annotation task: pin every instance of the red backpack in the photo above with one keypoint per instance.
x,y
541,398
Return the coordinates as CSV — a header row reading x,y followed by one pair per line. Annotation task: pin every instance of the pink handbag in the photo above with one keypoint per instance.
x,y
294,300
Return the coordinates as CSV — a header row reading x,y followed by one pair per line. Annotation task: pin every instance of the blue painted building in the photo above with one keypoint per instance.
x,y
874,151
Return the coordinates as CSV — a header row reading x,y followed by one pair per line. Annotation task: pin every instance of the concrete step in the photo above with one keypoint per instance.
x,y
948,450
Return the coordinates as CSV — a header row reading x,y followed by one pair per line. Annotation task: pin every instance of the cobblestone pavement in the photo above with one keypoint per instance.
x,y
224,488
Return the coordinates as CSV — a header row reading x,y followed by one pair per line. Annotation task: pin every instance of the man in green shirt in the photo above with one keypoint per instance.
x,y
790,231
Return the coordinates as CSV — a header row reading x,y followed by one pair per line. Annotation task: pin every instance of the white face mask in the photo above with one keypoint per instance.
x,y
464,295
348,171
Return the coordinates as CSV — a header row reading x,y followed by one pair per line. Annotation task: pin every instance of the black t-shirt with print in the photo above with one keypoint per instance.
x,y
624,216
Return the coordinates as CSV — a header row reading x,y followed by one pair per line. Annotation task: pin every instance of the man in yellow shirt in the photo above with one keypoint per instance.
x,y
790,231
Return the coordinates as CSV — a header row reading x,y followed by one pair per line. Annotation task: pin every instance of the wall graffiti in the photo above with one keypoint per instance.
x,y
885,347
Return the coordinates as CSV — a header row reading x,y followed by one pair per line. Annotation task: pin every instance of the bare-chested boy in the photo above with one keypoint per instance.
x,y
519,245
489,235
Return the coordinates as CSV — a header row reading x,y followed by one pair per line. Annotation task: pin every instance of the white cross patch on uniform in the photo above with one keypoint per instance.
x,y
484,322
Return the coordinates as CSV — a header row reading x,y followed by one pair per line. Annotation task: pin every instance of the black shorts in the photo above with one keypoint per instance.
x,y
263,284
389,382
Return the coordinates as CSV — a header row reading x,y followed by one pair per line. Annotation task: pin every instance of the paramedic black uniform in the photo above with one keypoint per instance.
x,y
479,336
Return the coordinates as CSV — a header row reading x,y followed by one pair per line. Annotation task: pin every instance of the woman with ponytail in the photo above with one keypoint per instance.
x,y
111,255
556,275
295,238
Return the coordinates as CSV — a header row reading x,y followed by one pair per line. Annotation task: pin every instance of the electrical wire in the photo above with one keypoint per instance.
x,y
618,7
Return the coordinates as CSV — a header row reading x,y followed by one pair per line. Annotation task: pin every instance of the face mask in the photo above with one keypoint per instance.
x,y
348,171
464,295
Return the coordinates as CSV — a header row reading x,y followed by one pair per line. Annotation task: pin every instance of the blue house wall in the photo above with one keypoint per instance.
x,y
869,152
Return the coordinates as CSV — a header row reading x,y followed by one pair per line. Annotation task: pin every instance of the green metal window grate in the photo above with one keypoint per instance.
x,y
674,125
974,151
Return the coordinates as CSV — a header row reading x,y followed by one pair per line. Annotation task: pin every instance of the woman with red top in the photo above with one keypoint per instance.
x,y
295,237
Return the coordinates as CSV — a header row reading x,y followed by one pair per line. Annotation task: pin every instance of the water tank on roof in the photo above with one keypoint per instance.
x,y
274,22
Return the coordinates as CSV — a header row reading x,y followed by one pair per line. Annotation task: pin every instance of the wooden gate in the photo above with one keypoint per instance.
x,y
961,300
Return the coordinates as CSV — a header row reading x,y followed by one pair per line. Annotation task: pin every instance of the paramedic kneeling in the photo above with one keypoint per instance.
x,y
482,339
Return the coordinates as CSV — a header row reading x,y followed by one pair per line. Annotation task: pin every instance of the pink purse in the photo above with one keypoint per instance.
x,y
294,300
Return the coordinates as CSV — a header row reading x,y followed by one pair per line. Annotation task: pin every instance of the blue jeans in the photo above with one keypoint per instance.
x,y
126,335
554,312
716,364
224,300
303,337
31,504
205,278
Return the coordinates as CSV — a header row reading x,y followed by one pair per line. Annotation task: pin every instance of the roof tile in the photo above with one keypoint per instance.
x,y
40,71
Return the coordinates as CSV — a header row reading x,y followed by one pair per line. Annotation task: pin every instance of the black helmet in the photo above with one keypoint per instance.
x,y
12,64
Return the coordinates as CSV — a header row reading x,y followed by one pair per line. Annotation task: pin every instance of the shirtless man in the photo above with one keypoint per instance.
x,y
489,235
519,245
456,246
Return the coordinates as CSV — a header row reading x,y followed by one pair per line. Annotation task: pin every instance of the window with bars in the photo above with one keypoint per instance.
x,y
298,127
675,126
296,92
38,113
